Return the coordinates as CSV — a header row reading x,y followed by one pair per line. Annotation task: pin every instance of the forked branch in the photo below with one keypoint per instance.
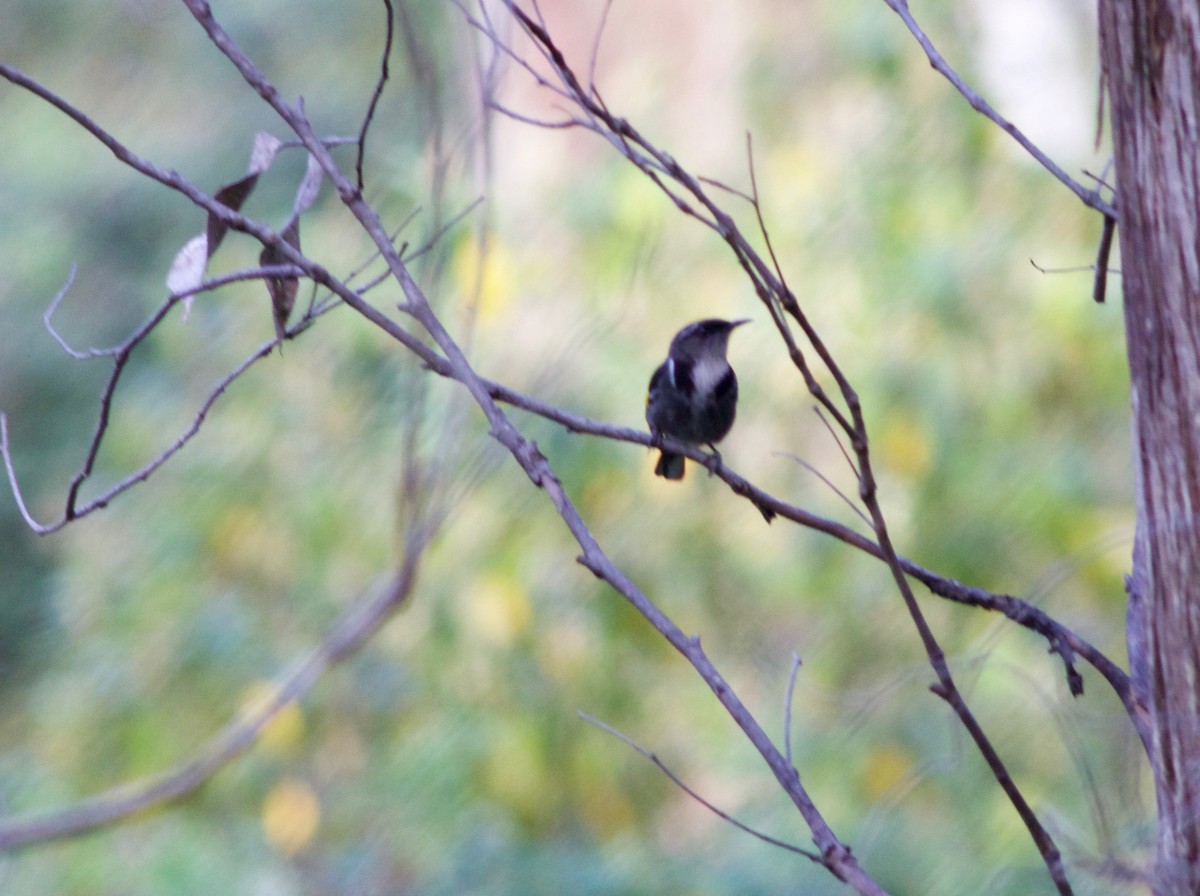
x,y
835,855
813,359
688,194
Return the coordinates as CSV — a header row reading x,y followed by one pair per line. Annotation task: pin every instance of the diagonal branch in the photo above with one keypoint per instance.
x,y
690,196
75,511
353,628
120,355
835,855
1090,198
848,416
1062,640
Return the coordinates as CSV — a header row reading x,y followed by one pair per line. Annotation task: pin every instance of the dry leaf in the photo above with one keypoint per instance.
x,y
282,290
309,187
187,269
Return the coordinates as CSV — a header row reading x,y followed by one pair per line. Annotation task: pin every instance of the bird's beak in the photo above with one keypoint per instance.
x,y
738,323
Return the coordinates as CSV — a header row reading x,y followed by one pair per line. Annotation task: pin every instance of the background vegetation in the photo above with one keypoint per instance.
x,y
448,756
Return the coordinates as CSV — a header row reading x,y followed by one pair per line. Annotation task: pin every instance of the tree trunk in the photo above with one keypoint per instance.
x,y
1150,53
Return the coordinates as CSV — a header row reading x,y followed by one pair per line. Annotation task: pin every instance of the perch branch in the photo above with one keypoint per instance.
x,y
660,168
835,855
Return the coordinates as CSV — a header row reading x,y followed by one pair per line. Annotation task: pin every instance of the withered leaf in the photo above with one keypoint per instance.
x,y
282,289
187,269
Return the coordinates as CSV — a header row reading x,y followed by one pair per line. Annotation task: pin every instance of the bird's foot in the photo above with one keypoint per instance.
x,y
711,463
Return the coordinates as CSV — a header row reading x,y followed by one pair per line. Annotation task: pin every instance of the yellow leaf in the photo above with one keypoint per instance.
x,y
498,609
887,769
487,277
290,813
904,448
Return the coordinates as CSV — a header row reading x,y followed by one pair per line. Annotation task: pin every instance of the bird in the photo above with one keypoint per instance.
x,y
693,393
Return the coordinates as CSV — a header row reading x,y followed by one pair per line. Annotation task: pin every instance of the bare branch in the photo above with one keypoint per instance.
x,y
125,155
659,167
561,124
121,355
75,511
1062,640
1091,198
689,195
138,335
351,629
354,627
757,206
945,687
837,440
325,141
835,855
1100,269
486,27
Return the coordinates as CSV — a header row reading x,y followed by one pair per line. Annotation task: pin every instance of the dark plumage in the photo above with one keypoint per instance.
x,y
693,394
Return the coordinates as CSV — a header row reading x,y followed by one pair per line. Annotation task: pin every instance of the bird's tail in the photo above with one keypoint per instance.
x,y
670,466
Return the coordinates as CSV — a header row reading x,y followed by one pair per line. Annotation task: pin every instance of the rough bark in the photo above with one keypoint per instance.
x,y
1150,52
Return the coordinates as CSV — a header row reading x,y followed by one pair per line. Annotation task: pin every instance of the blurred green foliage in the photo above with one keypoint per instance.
x,y
447,757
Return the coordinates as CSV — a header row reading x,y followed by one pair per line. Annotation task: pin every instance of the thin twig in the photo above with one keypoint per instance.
x,y
13,482
678,782
1102,178
326,141
828,484
486,27
837,440
787,708
1075,269
375,94
48,315
1100,285
75,511
758,214
147,326
596,44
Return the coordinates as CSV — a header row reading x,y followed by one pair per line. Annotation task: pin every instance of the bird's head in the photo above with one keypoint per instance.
x,y
704,338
